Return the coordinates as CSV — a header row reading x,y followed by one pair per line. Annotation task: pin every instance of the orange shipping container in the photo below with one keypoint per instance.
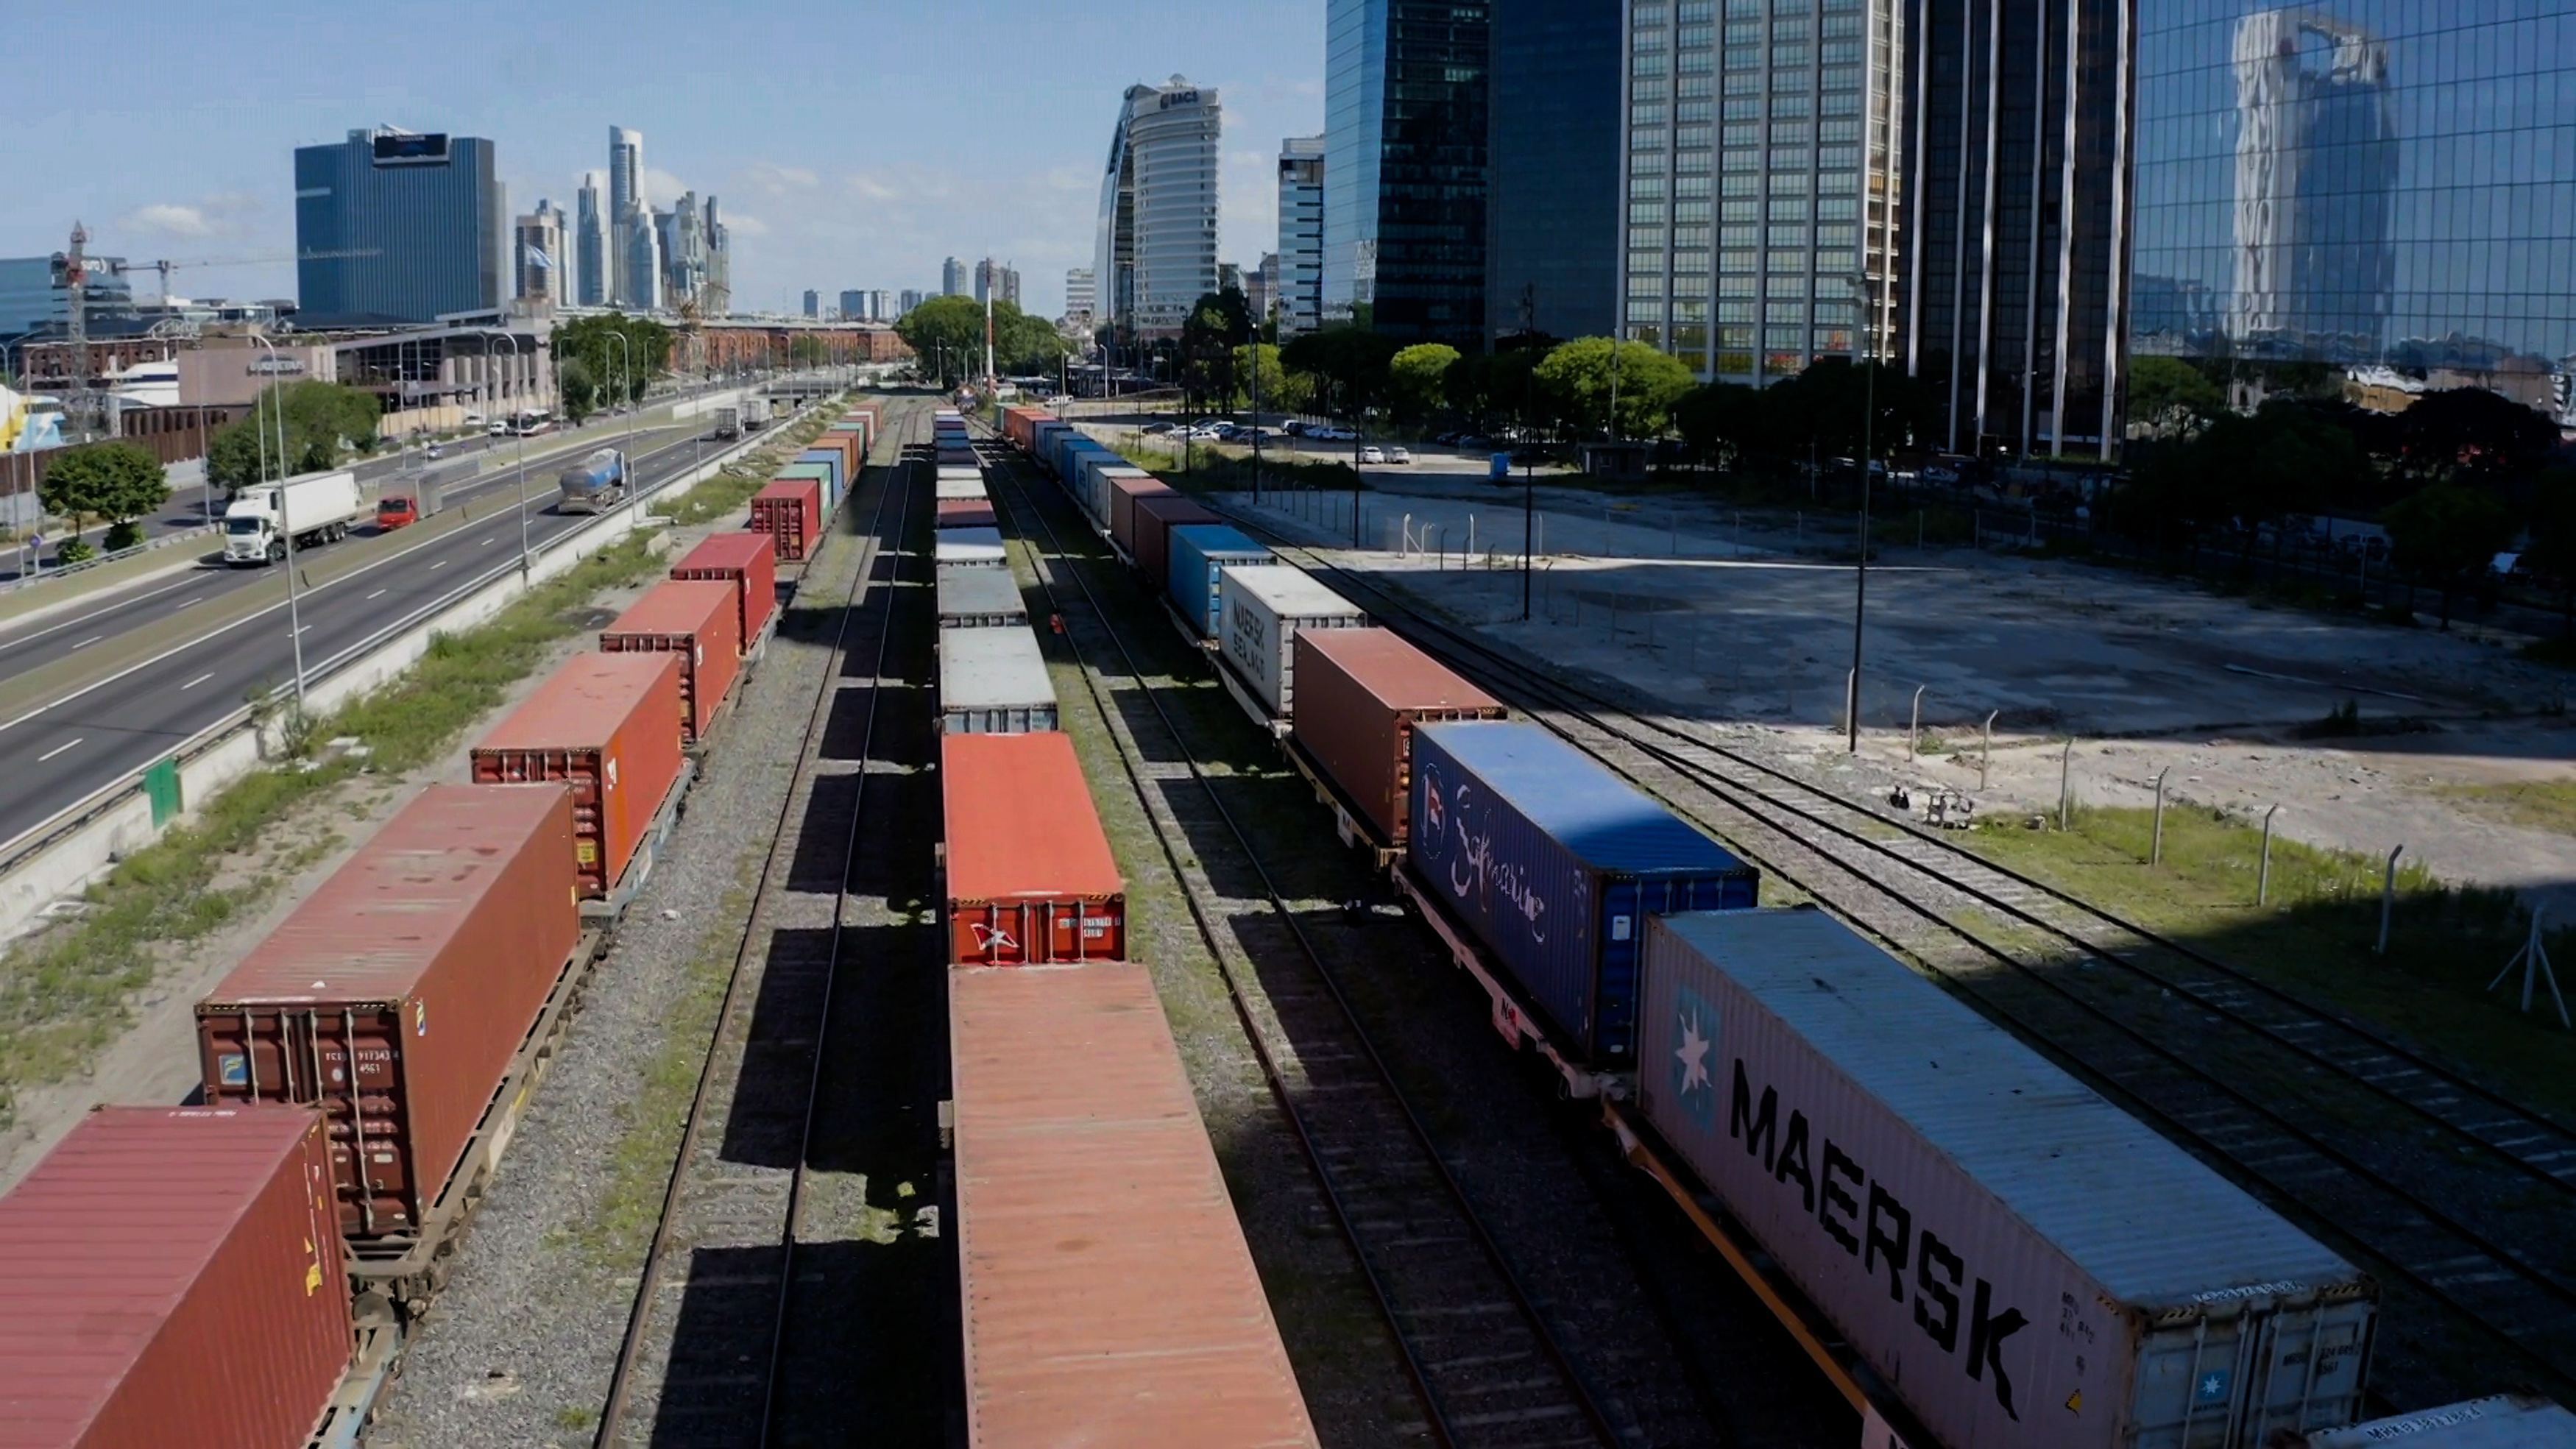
x,y
750,562
609,724
1360,692
701,622
853,457
1030,876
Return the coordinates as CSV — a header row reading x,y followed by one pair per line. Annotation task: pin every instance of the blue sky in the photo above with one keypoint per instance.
x,y
852,145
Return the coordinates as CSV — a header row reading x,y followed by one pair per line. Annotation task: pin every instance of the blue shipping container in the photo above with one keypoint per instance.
x,y
1042,440
1198,550
1068,449
1554,863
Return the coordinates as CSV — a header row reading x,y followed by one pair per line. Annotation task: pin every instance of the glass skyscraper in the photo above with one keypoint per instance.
x,y
1762,181
421,217
1154,247
1406,128
2357,182
1552,212
1300,281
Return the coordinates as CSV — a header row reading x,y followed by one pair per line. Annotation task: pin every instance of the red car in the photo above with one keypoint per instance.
x,y
394,511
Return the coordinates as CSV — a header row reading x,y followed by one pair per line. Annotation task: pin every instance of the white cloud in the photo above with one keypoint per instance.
x,y
170,219
741,224
662,189
222,214
772,178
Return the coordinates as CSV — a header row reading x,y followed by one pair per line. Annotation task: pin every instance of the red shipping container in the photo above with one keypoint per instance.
x,y
967,513
172,1275
432,951
701,622
750,562
1030,877
608,724
1156,517
1359,694
790,511
1123,493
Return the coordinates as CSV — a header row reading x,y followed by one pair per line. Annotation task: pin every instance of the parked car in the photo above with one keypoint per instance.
x,y
1330,434
1294,427
1372,455
1398,455
1474,442
1157,429
1445,440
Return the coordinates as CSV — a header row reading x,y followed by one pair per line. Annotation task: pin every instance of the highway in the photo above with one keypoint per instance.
x,y
55,754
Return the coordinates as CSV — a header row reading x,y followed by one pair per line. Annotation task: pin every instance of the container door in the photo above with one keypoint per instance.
x,y
1626,902
2308,1364
2190,1381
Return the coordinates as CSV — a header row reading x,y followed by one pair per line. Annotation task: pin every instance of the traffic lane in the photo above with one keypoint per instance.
x,y
62,754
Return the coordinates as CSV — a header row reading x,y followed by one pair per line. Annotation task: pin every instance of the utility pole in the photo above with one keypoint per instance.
x,y
1860,569
1529,463
285,526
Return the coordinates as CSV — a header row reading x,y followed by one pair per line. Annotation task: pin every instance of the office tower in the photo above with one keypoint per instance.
x,y
1552,203
854,306
422,216
1079,299
1301,235
1154,250
1405,127
909,300
880,305
717,300
952,278
1261,288
2316,175
626,208
2009,236
998,281
685,253
813,303
1229,276
1777,199
591,244
540,256
643,266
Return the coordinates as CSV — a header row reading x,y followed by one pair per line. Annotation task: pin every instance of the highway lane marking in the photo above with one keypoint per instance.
x,y
58,749
378,594
184,603
85,643
442,563
193,683
486,543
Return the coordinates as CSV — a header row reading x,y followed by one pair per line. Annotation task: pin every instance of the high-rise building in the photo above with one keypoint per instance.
x,y
32,299
541,255
1229,276
1154,252
909,300
1778,198
813,303
626,215
998,281
1552,203
717,300
2009,233
1080,300
643,266
1261,288
421,218
686,261
854,306
952,278
1406,131
590,243
1301,235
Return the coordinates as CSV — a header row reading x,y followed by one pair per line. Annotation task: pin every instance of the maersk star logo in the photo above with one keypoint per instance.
x,y
1696,1030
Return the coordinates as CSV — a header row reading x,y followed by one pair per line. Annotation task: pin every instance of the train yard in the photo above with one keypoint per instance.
x,y
997,950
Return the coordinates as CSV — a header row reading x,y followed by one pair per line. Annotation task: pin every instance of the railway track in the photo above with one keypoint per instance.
x,y
1488,1365
2446,1187
726,1243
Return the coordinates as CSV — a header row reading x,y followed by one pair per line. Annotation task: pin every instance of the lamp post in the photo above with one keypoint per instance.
x,y
626,364
1860,567
285,530
526,563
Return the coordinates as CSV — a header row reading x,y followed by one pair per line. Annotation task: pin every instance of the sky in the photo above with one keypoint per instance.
x,y
851,145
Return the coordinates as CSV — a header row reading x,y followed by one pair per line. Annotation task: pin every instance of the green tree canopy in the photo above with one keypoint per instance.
x,y
1577,378
1416,378
1218,324
1282,391
2172,397
2471,435
2447,534
113,482
580,388
1723,422
2248,470
1349,365
323,423
946,334
621,372
1494,389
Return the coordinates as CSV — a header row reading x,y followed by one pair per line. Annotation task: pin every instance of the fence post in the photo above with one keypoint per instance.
x,y
2263,876
1914,731
2156,844
2065,780
1986,750
2388,899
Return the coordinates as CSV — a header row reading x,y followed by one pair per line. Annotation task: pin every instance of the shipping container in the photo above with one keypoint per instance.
x,y
973,597
748,562
853,455
822,476
967,513
994,682
1196,553
836,484
970,548
701,622
172,1276
959,455
608,724
960,484
431,952
790,511
2022,1262
1360,695
1044,437
1260,610
1030,876
1106,1292
2505,1421
1097,477
1151,544
1123,493
1554,863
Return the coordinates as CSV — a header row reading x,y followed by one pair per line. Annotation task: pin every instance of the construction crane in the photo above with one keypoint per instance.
x,y
166,266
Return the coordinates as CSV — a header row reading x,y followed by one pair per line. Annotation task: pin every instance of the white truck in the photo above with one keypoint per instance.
x,y
318,508
728,422
755,413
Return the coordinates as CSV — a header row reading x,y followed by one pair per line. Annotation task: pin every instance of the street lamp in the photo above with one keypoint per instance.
x,y
626,370
285,529
1860,567
526,563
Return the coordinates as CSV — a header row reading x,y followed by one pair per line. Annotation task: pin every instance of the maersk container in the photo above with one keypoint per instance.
x,y
993,682
971,548
1197,552
980,598
1259,611
2506,1421
1555,863
2025,1264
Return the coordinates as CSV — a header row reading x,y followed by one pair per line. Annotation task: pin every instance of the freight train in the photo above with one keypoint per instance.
x,y
363,1070
2015,1260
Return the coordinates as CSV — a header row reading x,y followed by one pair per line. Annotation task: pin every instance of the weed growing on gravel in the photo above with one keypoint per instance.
x,y
2540,804
64,994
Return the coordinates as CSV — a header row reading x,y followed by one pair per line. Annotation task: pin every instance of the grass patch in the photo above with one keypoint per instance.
x,y
64,994
576,1417
2540,804
2316,936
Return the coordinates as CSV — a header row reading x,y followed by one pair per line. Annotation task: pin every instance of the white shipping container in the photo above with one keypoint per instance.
x,y
977,597
1260,608
993,681
1095,488
2028,1266
2506,1421
969,548
959,483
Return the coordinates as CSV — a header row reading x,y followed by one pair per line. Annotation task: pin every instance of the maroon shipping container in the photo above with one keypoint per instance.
x,y
967,513
1030,876
1123,493
790,511
609,725
700,620
1155,518
433,950
750,560
1359,694
172,1275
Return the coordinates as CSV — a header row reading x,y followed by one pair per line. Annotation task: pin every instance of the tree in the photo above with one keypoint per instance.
x,y
2447,535
2471,435
114,482
1723,422
580,389
1349,363
626,370
322,421
1282,391
2172,397
1415,379
946,334
1219,322
808,350
2245,471
1577,377
2553,539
